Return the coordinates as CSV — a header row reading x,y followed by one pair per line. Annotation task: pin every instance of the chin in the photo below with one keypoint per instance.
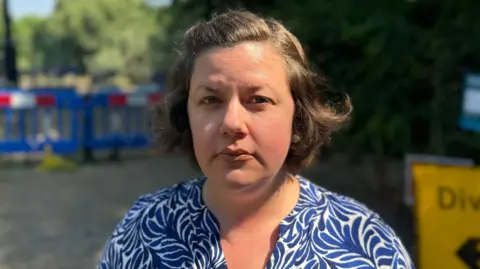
x,y
240,179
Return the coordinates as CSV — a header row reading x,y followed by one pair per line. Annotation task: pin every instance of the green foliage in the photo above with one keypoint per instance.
x,y
94,35
402,62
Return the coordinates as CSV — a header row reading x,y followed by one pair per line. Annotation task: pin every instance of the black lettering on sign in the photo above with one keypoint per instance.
x,y
446,198
475,202
457,199
469,253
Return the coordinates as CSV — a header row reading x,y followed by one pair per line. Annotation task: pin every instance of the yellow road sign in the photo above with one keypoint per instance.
x,y
447,202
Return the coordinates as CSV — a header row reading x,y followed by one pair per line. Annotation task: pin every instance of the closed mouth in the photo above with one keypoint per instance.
x,y
237,156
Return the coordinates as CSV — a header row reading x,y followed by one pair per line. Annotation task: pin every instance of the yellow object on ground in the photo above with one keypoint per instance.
x,y
53,163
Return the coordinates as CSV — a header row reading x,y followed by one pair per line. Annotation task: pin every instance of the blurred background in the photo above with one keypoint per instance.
x,y
79,77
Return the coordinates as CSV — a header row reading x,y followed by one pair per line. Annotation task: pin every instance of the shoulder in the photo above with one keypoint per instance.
x,y
171,199
149,214
350,225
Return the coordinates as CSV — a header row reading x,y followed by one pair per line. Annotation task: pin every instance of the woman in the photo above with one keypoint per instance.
x,y
242,102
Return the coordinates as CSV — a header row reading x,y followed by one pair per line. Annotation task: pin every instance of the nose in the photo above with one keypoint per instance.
x,y
234,120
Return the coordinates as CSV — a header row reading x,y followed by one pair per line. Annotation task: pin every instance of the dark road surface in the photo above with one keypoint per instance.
x,y
61,221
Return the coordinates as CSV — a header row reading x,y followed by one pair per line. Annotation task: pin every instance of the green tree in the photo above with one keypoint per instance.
x,y
25,31
100,35
402,62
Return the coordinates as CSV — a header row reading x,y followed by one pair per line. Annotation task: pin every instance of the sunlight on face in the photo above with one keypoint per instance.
x,y
241,111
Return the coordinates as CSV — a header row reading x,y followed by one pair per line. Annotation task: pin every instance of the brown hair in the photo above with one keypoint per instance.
x,y
314,121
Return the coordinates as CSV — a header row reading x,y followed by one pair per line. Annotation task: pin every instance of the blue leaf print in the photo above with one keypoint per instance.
x,y
173,228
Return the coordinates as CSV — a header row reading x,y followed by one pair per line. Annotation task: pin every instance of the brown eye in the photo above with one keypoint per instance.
x,y
210,100
260,100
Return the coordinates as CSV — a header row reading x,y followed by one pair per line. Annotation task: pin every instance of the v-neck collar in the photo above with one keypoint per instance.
x,y
207,226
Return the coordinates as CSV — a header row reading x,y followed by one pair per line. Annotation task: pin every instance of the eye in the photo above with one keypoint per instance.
x,y
260,100
208,100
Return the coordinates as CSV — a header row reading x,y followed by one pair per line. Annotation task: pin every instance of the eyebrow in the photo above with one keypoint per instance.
x,y
205,88
251,89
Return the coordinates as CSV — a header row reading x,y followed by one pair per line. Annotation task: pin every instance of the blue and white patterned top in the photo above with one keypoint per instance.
x,y
172,228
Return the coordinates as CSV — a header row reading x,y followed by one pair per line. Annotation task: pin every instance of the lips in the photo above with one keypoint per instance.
x,y
234,151
236,154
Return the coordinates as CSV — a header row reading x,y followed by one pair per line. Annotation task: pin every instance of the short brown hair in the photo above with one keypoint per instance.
x,y
314,121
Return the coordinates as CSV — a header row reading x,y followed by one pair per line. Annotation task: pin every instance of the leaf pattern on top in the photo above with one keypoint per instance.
x,y
172,228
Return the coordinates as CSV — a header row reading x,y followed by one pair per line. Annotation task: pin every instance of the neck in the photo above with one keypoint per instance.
x,y
264,205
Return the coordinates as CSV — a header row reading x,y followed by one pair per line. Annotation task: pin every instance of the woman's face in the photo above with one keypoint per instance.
x,y
241,111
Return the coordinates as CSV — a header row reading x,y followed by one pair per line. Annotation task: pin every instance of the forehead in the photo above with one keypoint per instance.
x,y
244,64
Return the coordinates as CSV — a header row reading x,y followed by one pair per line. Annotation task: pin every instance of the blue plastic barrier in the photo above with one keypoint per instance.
x,y
31,120
117,120
68,122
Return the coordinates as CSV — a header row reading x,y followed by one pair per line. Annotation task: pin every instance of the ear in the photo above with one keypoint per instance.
x,y
296,138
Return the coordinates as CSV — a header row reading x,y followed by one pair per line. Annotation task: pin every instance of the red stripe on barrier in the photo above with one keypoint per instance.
x,y
154,98
4,100
117,100
46,100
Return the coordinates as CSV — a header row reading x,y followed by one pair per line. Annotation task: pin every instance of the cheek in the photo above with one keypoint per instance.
x,y
273,134
203,129
202,126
